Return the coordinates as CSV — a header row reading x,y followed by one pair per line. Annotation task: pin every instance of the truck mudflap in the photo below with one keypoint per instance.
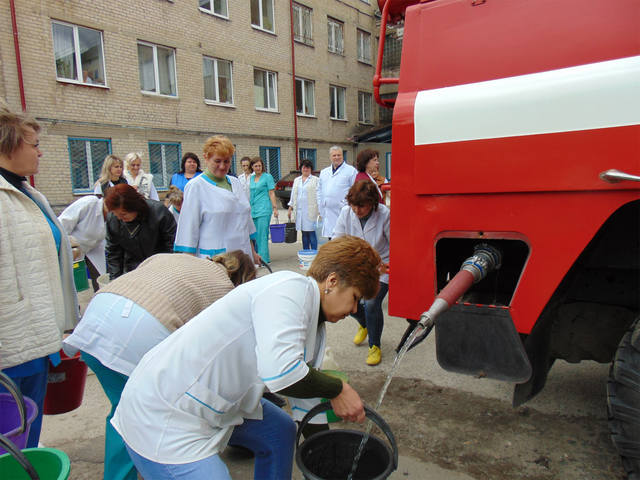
x,y
481,340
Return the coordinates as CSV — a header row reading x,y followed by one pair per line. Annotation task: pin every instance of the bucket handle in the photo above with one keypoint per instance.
x,y
12,388
370,414
16,453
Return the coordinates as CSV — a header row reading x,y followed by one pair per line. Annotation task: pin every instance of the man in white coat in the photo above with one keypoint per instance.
x,y
335,181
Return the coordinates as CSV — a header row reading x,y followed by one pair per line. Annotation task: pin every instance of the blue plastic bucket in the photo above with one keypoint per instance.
x,y
10,420
277,232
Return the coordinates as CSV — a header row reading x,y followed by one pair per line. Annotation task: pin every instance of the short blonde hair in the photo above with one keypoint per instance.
x,y
353,260
220,145
13,129
130,157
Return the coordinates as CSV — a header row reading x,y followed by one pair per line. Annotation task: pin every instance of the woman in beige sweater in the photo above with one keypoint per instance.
x,y
138,310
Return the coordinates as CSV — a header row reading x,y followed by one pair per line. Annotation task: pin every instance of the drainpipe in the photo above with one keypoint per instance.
x,y
16,45
293,72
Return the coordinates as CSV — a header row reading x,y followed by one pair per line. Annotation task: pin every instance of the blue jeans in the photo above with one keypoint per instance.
x,y
271,439
117,462
309,240
370,315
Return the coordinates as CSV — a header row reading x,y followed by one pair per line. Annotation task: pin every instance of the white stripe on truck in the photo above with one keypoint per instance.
x,y
597,95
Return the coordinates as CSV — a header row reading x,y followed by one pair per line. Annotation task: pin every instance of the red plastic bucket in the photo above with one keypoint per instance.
x,y
65,385
10,420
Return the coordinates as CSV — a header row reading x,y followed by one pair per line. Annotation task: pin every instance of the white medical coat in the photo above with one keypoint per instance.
x,y
214,220
83,220
332,192
185,396
376,231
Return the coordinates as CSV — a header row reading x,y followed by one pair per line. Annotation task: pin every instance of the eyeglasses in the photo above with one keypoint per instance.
x,y
34,145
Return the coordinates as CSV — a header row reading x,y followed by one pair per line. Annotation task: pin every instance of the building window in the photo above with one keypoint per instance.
x,y
86,156
385,115
216,7
218,84
337,97
232,168
365,102
262,14
265,89
364,46
387,165
78,53
302,25
157,66
164,158
308,154
305,104
271,158
335,31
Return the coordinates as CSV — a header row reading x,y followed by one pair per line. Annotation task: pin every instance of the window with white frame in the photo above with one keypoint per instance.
x,y
335,31
337,96
365,104
262,14
164,159
271,158
86,156
308,154
78,53
364,46
216,7
302,25
265,89
305,103
218,84
157,67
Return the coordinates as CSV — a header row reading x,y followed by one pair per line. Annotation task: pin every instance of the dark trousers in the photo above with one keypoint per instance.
x,y
309,240
370,316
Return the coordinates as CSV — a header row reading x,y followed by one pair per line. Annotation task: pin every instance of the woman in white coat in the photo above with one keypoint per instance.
x,y
138,310
366,218
201,388
84,222
215,216
135,176
304,203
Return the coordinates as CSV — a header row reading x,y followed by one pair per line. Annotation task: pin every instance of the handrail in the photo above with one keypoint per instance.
x,y
377,77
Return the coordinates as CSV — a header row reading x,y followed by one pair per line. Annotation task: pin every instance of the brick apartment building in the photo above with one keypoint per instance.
x,y
160,76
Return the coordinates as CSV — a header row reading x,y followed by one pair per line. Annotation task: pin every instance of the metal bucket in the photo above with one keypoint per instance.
x,y
329,455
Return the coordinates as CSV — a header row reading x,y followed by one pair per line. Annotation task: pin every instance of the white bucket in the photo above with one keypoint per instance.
x,y
306,258
103,280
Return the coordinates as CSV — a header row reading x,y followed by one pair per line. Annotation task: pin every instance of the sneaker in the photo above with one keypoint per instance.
x,y
360,336
375,355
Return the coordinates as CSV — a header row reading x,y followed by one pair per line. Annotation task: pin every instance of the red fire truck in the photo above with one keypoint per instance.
x,y
516,127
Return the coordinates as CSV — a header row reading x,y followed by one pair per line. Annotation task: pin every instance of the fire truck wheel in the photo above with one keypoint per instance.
x,y
623,400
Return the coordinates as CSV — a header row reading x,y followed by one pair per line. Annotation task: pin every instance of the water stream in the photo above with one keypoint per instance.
x,y
416,332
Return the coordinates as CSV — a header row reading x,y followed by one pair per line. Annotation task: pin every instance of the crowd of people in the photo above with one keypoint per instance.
x,y
188,345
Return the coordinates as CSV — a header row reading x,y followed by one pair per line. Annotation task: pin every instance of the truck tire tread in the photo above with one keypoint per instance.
x,y
623,400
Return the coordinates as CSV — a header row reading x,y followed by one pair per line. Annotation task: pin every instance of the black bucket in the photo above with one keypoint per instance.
x,y
329,455
290,232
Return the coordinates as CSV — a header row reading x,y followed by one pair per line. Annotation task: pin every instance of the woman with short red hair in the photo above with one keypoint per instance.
x,y
136,229
215,216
